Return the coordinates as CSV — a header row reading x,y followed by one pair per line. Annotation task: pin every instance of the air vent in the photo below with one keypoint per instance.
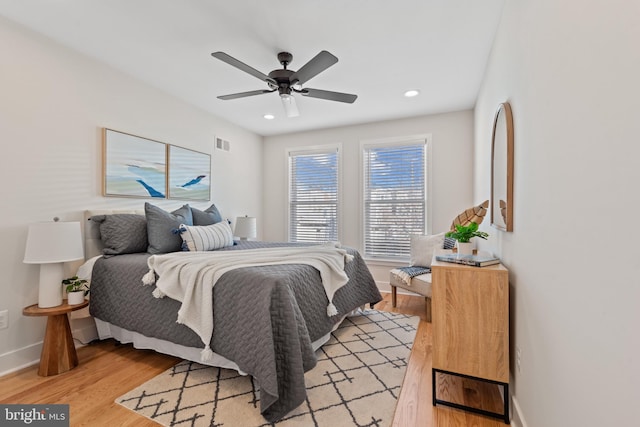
x,y
222,144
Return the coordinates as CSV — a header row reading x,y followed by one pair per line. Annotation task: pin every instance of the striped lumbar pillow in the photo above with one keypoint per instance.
x,y
206,237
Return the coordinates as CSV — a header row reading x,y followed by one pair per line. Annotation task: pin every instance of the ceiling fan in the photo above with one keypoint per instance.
x,y
286,81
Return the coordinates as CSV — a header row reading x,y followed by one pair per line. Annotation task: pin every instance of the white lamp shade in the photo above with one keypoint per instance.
x,y
246,227
49,242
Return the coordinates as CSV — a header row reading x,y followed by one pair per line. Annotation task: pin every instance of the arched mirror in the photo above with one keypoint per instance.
x,y
502,169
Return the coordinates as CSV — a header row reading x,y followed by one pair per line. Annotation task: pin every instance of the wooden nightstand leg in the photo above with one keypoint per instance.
x,y
427,303
394,296
58,351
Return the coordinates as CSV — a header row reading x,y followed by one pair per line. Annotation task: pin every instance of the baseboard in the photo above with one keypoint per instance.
x,y
400,291
517,418
12,361
84,330
383,286
19,359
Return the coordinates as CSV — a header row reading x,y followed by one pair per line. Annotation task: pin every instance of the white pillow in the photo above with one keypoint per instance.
x,y
423,248
206,237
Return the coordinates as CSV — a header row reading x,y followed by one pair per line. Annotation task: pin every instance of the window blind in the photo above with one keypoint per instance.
x,y
394,197
313,196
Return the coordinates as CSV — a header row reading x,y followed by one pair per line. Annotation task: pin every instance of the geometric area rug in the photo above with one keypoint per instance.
x,y
356,383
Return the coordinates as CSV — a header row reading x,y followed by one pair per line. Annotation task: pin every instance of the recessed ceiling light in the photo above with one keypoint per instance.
x,y
411,93
269,116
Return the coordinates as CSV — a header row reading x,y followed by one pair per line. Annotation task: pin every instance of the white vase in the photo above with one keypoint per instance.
x,y
465,248
75,298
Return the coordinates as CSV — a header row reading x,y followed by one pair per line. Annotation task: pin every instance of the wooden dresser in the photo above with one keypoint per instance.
x,y
470,318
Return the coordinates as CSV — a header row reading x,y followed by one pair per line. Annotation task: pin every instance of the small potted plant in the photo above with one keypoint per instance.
x,y
463,235
76,289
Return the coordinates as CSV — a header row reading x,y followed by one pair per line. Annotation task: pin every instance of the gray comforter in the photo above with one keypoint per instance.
x,y
265,318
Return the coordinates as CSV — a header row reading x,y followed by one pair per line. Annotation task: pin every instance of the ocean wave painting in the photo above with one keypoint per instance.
x,y
133,166
189,174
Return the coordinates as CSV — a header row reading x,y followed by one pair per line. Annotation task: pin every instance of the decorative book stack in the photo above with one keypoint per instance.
x,y
472,260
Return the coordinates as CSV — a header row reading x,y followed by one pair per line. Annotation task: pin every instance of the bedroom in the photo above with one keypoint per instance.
x,y
569,70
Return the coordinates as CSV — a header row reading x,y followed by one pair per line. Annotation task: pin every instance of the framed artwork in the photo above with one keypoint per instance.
x,y
502,169
189,174
133,166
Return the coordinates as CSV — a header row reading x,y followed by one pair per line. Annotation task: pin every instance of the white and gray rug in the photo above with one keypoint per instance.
x,y
356,383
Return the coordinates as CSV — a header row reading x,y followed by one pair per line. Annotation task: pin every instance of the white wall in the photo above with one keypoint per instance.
x,y
451,163
53,103
570,71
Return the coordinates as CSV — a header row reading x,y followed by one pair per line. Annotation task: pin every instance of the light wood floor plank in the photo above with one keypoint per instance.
x,y
108,370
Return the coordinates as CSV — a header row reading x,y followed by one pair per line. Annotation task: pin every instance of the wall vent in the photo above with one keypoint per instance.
x,y
222,144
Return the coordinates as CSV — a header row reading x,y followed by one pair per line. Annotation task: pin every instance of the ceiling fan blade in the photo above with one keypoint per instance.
x,y
315,66
289,104
328,95
244,94
243,67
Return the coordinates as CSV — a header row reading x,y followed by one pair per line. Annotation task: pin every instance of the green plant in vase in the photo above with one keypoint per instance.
x,y
76,289
464,233
74,284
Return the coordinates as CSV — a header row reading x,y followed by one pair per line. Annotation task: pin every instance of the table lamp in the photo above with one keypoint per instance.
x,y
50,244
245,227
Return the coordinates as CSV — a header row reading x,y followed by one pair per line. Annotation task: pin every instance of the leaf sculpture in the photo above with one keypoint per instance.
x,y
475,214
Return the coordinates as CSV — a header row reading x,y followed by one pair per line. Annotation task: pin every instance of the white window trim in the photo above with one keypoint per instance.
x,y
310,149
397,140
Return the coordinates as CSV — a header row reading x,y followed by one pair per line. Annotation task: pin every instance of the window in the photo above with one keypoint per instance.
x,y
395,196
313,195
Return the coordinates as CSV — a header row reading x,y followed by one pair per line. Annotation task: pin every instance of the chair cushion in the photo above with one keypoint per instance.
x,y
419,284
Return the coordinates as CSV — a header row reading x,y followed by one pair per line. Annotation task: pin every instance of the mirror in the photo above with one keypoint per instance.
x,y
502,169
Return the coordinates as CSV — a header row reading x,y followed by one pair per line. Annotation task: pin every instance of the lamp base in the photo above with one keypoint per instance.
x,y
50,291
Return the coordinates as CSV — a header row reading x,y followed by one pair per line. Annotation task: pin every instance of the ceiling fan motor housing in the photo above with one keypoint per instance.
x,y
283,78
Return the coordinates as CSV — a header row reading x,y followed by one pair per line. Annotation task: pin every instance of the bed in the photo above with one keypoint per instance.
x,y
268,319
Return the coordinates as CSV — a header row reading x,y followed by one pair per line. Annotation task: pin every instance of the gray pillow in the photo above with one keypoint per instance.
x,y
122,233
209,216
161,225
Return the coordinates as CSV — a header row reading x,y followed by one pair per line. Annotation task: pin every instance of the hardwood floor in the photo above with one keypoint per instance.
x,y
414,406
108,370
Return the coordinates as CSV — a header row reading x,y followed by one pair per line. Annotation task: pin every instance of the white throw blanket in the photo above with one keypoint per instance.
x,y
189,277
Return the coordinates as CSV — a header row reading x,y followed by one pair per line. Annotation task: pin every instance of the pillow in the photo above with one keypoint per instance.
x,y
206,237
423,248
161,225
122,233
209,216
449,243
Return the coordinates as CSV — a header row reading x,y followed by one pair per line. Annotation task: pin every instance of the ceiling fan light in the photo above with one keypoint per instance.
x,y
289,104
269,116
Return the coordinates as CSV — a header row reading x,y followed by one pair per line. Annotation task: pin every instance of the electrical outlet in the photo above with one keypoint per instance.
x,y
518,359
4,319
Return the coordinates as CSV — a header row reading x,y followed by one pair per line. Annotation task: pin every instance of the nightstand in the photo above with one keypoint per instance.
x,y
58,351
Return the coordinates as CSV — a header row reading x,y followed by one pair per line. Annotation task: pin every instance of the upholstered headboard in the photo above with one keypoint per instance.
x,y
92,244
